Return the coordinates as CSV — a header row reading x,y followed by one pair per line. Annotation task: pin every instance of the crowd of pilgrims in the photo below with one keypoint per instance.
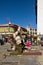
x,y
19,42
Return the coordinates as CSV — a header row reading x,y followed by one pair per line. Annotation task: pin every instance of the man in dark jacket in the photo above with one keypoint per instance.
x,y
1,40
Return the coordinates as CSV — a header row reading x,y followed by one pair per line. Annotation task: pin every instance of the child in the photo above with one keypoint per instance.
x,y
27,44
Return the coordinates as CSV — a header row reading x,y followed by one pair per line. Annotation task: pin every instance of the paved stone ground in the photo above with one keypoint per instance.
x,y
22,59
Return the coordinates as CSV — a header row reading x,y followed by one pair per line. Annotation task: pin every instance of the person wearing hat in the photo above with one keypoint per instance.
x,y
17,38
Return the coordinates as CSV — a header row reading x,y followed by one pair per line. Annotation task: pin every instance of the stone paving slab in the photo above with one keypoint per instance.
x,y
20,60
8,63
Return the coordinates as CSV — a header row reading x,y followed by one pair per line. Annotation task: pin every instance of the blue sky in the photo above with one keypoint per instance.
x,y
20,12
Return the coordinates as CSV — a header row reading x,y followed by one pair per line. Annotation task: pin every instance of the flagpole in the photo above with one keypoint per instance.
x,y
8,24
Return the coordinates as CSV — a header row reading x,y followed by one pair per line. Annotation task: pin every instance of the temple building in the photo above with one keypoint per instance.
x,y
9,29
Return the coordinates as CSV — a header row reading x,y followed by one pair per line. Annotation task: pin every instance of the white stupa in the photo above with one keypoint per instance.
x,y
9,22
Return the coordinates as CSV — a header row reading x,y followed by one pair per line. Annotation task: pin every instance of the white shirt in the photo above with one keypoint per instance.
x,y
18,39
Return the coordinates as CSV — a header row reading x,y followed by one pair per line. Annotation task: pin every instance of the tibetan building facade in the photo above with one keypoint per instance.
x,y
9,29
